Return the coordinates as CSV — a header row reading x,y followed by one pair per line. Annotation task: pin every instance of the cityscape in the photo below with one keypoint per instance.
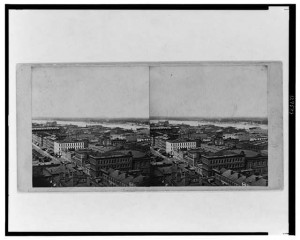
x,y
165,144
130,154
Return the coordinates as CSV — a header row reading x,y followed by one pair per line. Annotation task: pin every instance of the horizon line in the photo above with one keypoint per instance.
x,y
149,118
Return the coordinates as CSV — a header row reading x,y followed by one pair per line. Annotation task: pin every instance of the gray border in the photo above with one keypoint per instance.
x,y
275,126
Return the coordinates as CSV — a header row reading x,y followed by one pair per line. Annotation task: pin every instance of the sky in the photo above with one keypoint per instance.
x,y
175,91
208,91
88,92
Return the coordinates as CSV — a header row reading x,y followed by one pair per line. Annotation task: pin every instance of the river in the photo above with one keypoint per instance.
x,y
127,125
239,125
134,126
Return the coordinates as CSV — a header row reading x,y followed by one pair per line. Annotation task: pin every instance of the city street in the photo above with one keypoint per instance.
x,y
44,153
158,154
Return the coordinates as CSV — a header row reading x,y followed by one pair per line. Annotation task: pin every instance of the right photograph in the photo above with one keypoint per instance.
x,y
209,125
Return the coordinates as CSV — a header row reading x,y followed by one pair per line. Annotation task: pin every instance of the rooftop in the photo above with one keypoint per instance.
x,y
135,154
212,148
239,178
108,154
180,141
248,153
68,141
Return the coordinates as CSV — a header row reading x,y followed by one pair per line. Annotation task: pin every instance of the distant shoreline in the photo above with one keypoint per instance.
x,y
92,120
209,118
156,118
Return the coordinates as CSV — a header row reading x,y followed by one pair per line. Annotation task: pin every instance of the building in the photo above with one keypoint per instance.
x,y
159,129
218,140
258,130
67,175
118,142
256,161
117,178
209,147
179,154
130,137
81,157
229,136
117,136
242,136
172,145
140,160
254,145
257,137
105,141
142,164
49,142
66,144
67,154
223,159
38,138
114,160
160,142
101,149
224,177
143,138
227,177
193,157
46,129
175,175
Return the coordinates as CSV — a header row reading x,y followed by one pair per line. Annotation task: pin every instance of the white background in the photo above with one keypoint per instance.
x,y
79,38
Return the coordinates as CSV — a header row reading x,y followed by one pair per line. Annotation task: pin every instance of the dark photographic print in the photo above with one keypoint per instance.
x,y
209,125
90,127
150,126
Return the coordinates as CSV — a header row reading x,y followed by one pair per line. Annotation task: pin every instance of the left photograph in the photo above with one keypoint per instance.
x,y
90,126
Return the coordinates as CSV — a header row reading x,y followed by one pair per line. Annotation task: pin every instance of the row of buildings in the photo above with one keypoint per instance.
x,y
209,149
100,156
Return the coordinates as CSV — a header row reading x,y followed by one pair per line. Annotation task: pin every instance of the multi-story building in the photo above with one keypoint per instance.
x,y
227,177
172,145
160,142
117,178
81,157
257,137
60,145
140,161
38,138
143,138
142,164
223,159
193,157
175,175
154,130
118,142
113,160
104,141
117,136
49,142
46,129
218,139
257,161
